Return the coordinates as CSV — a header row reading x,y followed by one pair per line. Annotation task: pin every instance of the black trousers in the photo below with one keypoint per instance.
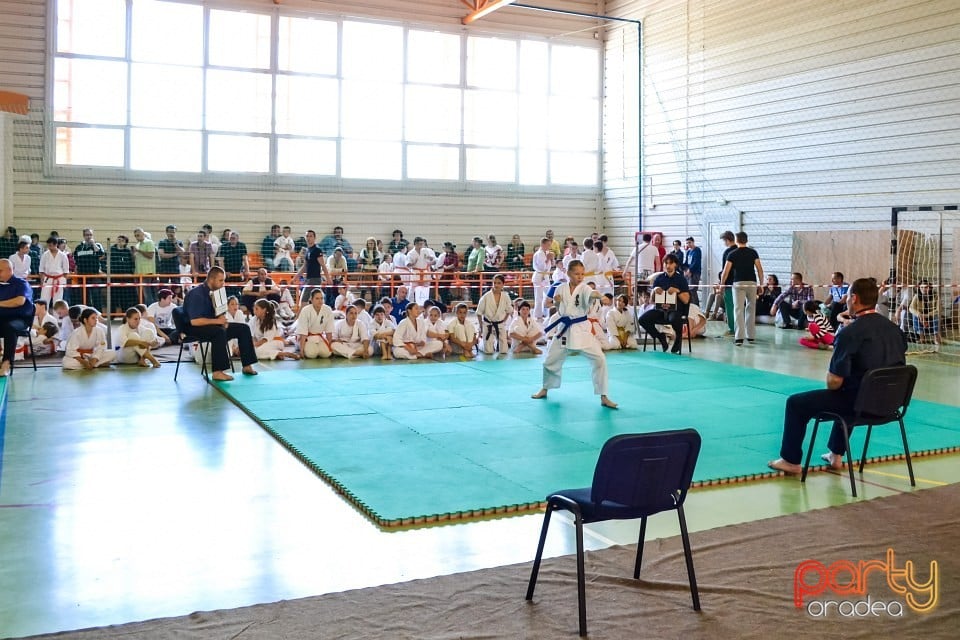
x,y
788,313
672,317
219,336
249,301
9,326
801,408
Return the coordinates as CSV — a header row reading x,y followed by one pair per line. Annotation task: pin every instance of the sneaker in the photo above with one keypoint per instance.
x,y
739,343
751,340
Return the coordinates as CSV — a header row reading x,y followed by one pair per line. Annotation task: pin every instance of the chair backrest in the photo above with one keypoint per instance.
x,y
886,391
650,471
180,321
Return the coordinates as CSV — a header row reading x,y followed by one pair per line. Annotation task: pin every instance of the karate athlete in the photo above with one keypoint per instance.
x,y
543,265
525,331
494,310
314,327
410,338
54,267
621,326
437,330
573,300
351,339
87,346
265,331
137,338
463,333
382,329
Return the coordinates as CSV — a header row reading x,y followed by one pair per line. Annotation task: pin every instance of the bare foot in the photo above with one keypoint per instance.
x,y
5,369
142,362
535,351
607,402
153,360
787,467
832,459
222,376
539,394
249,370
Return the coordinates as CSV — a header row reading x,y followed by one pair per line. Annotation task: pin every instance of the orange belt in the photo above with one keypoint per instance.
x,y
85,352
594,323
326,341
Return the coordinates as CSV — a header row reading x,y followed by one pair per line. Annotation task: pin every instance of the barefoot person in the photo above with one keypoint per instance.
x,y
205,323
16,310
572,300
869,342
137,338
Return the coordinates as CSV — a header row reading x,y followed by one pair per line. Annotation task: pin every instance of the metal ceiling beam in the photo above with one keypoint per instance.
x,y
484,7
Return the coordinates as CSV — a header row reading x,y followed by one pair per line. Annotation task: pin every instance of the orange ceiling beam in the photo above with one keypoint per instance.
x,y
484,7
14,103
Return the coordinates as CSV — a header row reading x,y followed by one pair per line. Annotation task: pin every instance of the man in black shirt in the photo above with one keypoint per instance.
x,y
314,265
869,342
671,283
122,293
90,258
233,259
728,239
743,264
170,249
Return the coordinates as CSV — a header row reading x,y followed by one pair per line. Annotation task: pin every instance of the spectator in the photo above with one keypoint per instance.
x,y
334,240
692,268
145,264
398,243
744,264
544,262
821,333
337,270
644,260
369,260
925,311
35,252
421,259
474,262
20,260
267,246
448,263
160,314
493,256
554,244
515,252
677,252
789,304
399,304
282,252
463,333
837,300
90,258
9,242
314,267
525,331
122,294
137,340
266,334
765,300
54,267
214,241
65,249
384,277
351,338
201,254
728,239
170,249
234,261
607,265
381,333
410,339
657,240
87,347
260,287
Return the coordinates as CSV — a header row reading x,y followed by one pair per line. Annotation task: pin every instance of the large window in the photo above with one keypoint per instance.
x,y
152,85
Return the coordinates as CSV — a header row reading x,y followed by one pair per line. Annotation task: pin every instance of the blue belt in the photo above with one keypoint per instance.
x,y
566,321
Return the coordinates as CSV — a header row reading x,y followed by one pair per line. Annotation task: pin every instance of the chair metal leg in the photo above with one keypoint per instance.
x,y
643,533
846,440
536,561
866,443
203,359
177,370
906,452
581,578
813,439
33,355
688,556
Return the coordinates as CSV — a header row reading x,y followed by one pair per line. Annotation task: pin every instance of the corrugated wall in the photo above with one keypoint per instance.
x,y
68,203
801,115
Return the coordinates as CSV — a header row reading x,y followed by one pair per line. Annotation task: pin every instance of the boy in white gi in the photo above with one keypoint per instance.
x,y
573,334
351,339
314,327
87,346
463,333
525,331
410,339
494,310
381,333
543,265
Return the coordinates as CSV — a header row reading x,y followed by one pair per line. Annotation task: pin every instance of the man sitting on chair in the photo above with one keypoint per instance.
x,y
16,311
207,324
671,297
869,342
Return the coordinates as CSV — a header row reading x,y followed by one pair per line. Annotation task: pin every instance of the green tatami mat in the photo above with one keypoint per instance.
x,y
421,442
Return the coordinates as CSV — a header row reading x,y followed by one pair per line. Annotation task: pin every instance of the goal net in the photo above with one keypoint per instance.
x,y
924,292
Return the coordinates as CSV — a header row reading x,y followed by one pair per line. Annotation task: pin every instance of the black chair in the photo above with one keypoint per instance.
x,y
183,327
637,475
883,397
25,333
686,323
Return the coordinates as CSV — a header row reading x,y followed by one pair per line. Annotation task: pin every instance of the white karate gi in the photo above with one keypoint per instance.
x,y
408,333
542,272
270,349
132,355
93,345
348,341
621,323
313,324
436,327
591,265
574,305
528,328
55,268
375,328
420,262
465,332
607,262
494,316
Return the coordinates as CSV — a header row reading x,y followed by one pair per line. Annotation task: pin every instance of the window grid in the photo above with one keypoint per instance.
x,y
62,126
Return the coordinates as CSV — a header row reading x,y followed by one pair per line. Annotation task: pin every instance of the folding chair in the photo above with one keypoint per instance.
x,y
883,397
25,333
183,327
637,475
686,327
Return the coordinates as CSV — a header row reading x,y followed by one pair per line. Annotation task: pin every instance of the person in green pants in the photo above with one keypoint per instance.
x,y
731,244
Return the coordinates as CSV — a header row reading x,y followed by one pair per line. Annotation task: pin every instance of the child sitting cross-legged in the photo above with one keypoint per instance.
x,y
818,324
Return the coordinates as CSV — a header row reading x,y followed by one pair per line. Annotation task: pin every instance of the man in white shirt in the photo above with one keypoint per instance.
x,y
283,248
648,256
21,260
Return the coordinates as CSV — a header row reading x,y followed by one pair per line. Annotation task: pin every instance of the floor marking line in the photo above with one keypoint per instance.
x,y
902,477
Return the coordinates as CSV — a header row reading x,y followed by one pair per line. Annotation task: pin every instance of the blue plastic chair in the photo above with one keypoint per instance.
x,y
637,475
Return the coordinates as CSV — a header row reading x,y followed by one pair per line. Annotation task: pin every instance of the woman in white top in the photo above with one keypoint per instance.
x,y
136,340
265,331
410,338
87,346
351,339
493,258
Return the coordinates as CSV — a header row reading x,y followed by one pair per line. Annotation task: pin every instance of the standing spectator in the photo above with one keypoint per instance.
x,y
90,258
145,264
9,242
170,249
925,310
233,259
20,260
554,244
283,248
744,264
384,277
201,253
35,252
398,243
657,241
369,260
122,264
16,309
334,240
268,246
692,268
644,259
448,264
727,284
212,238
789,304
54,268
544,261
767,295
474,262
493,258
337,270
314,267
838,298
515,252
678,252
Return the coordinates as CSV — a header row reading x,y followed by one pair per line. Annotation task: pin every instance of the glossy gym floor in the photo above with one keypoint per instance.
x,y
125,496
